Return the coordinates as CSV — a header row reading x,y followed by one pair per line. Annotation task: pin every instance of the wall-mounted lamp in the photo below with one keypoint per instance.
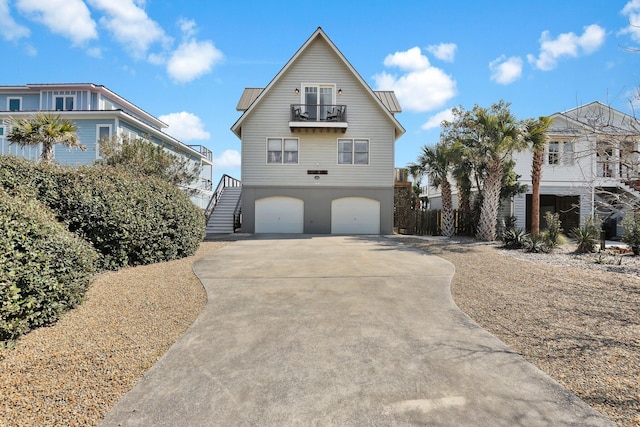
x,y
297,91
339,91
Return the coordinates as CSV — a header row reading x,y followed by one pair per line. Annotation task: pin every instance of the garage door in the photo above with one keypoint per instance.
x,y
355,215
279,215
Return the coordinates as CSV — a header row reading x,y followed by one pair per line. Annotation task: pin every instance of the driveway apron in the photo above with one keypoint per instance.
x,y
341,331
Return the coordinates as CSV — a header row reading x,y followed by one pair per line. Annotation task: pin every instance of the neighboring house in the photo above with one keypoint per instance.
x,y
590,169
98,113
318,148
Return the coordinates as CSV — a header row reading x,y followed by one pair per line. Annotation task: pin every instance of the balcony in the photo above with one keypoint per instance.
x,y
318,117
203,150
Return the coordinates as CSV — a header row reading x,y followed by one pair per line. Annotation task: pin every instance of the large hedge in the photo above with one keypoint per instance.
x,y
128,219
44,268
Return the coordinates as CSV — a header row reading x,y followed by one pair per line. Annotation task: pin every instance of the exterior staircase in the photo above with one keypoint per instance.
x,y
223,208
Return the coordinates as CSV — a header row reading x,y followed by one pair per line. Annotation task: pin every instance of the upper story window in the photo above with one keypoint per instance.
x,y
353,151
568,155
14,104
561,153
282,150
317,100
64,103
103,132
554,153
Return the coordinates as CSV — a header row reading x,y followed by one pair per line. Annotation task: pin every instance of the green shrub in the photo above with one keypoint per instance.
x,y
129,220
586,237
536,244
552,234
514,238
631,231
44,269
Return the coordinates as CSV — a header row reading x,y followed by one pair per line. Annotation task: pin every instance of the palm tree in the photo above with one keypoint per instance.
x,y
536,137
499,135
45,129
435,161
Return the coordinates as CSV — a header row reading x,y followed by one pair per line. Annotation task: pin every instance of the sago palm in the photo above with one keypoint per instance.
x,y
46,129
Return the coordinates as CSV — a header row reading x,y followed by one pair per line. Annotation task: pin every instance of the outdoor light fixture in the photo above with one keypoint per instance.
x,y
297,91
339,91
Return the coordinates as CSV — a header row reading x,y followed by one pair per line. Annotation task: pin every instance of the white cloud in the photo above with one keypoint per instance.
x,y
411,60
69,18
192,59
632,11
435,120
130,25
185,126
443,51
227,160
422,88
506,70
566,44
9,28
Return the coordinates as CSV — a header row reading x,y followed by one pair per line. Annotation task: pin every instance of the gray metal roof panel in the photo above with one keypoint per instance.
x,y
248,96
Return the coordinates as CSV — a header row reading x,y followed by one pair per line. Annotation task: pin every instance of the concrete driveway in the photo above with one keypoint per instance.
x,y
339,331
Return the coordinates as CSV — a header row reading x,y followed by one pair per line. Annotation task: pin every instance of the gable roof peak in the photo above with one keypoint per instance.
x,y
319,32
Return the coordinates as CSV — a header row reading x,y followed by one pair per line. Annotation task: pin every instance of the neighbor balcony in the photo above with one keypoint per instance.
x,y
318,117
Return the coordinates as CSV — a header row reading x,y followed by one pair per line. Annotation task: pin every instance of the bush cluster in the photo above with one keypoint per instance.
x,y
44,269
52,215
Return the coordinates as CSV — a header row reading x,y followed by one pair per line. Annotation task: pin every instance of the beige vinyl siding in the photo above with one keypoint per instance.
x,y
318,150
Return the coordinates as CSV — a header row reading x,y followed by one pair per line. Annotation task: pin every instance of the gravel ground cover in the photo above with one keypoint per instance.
x,y
568,314
73,372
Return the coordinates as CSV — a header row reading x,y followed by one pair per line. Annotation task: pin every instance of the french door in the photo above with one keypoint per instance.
x,y
318,100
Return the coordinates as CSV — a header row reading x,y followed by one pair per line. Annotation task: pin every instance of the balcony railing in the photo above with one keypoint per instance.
x,y
204,151
318,113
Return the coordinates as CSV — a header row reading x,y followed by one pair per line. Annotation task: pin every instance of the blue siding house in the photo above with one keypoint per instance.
x,y
98,113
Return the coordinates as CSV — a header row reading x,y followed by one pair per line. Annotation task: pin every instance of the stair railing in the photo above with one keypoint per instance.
x,y
225,181
237,214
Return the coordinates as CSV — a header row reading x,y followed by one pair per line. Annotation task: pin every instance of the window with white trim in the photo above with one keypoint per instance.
x,y
353,151
554,153
282,150
568,155
102,132
64,103
561,153
14,104
317,100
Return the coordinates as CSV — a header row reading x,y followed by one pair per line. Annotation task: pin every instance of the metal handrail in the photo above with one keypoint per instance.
x,y
225,181
319,113
237,214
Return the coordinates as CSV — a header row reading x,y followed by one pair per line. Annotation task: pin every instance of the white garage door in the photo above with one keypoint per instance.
x,y
279,215
355,215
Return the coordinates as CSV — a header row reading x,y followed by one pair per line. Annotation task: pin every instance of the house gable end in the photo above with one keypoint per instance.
x,y
252,97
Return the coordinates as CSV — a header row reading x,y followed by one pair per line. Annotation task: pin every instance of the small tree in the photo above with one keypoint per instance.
x,y
45,129
436,161
143,157
535,136
631,234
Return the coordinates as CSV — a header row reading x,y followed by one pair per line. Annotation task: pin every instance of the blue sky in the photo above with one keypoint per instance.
x,y
187,62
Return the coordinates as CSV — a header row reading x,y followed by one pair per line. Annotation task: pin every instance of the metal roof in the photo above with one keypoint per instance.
x,y
388,98
248,96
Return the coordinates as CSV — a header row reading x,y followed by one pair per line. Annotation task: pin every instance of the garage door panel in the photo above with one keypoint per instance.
x,y
279,215
355,215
